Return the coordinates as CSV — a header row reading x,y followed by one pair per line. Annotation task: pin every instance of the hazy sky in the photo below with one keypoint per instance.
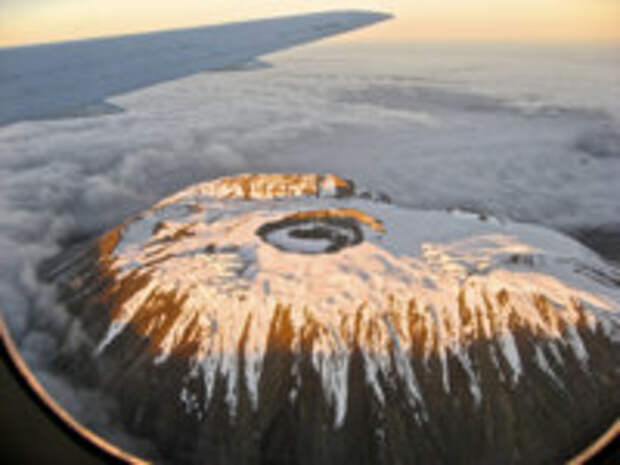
x,y
31,21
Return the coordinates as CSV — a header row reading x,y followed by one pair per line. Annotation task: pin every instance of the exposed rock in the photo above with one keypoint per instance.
x,y
283,319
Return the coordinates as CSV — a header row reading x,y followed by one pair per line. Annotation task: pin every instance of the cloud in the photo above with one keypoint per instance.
x,y
424,145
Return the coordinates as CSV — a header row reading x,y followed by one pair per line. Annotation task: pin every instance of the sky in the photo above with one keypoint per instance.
x,y
38,21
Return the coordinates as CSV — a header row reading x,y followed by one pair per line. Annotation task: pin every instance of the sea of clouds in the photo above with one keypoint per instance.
x,y
432,128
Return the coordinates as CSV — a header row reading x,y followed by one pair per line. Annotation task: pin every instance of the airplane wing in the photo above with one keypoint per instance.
x,y
43,80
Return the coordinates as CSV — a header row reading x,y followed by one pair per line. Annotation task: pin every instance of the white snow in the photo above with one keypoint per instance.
x,y
543,363
511,354
382,274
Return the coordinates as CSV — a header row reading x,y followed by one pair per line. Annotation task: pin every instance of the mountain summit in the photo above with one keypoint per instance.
x,y
289,319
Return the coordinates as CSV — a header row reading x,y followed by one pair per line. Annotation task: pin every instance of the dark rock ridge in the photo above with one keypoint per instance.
x,y
283,319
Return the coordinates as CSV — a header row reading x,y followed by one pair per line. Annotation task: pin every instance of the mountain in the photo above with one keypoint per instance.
x,y
290,319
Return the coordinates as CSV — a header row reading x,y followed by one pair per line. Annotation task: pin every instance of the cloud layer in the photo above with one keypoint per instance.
x,y
418,133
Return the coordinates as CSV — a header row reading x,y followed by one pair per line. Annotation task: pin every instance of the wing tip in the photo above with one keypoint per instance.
x,y
370,15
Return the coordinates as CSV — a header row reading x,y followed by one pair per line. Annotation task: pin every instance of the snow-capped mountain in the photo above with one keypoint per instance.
x,y
290,319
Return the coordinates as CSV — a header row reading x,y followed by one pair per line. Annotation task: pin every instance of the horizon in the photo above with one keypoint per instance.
x,y
543,21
